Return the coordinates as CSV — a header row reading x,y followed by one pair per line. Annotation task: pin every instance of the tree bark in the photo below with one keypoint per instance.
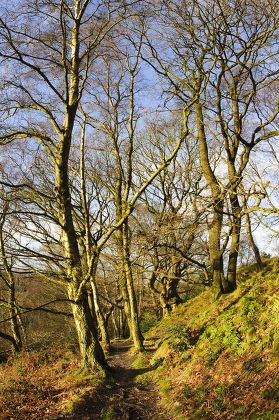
x,y
127,285
90,349
219,283
252,242
14,320
105,342
235,241
9,281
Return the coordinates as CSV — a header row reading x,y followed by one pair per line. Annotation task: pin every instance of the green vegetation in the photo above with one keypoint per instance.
x,y
207,360
221,360
148,320
138,167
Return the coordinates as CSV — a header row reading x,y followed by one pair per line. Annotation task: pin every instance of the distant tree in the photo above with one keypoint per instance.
x,y
115,101
172,224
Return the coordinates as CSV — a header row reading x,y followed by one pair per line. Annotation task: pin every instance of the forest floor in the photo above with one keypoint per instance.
x,y
48,384
207,360
124,397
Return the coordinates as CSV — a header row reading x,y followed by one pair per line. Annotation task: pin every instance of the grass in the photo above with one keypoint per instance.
x,y
221,358
212,360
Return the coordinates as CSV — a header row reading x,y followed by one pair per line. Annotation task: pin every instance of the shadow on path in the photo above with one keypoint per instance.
x,y
122,397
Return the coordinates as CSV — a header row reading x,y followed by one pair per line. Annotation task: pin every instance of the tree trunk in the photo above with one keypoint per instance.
x,y
219,284
169,298
127,287
174,278
9,280
100,319
172,294
235,241
92,354
134,320
11,339
252,242
14,320
122,274
164,304
123,327
90,349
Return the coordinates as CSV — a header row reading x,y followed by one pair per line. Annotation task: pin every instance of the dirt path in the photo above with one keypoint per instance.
x,y
123,398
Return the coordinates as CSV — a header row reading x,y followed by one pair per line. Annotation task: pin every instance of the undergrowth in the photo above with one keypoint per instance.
x,y
45,384
220,359
213,360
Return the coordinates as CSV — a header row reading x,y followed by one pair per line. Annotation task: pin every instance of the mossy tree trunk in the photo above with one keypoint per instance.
x,y
235,241
105,341
168,297
216,223
252,241
127,287
90,349
174,276
219,284
8,278
15,327
87,247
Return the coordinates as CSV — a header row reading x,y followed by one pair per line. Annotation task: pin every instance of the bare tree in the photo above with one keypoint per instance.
x,y
51,53
53,63
8,279
171,224
213,54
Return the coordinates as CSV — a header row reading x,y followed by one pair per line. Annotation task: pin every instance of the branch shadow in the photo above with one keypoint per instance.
x,y
119,395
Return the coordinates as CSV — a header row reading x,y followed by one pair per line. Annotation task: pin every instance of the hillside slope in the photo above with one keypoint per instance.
x,y
211,361
221,360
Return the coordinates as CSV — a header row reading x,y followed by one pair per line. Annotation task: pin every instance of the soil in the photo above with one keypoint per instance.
x,y
122,398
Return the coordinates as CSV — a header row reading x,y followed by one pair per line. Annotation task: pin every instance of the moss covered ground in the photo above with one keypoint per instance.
x,y
207,360
220,360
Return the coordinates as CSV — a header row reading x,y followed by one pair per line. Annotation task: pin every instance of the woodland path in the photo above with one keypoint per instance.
x,y
123,398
